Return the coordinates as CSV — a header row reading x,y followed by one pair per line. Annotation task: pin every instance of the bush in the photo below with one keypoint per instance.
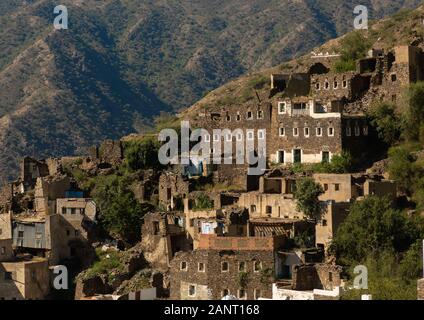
x,y
120,213
386,280
142,154
203,202
372,226
306,195
414,115
339,164
402,168
354,46
386,122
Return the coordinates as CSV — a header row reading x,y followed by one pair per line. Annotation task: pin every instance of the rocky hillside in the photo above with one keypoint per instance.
x,y
121,62
404,28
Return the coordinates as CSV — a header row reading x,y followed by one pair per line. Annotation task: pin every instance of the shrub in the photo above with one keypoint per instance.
x,y
306,195
203,202
414,116
142,154
386,122
402,168
354,46
373,225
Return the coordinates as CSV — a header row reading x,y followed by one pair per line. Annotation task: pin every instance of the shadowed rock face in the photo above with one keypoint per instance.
x,y
120,63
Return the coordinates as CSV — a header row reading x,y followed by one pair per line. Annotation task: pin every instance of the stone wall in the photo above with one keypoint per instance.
x,y
262,205
29,280
316,276
171,187
204,271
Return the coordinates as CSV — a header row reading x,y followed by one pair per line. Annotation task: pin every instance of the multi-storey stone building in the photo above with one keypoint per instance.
x,y
311,116
240,266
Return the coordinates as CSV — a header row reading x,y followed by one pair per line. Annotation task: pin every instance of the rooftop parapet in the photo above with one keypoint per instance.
x,y
214,242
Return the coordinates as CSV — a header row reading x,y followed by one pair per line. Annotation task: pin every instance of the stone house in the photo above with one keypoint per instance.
x,y
173,188
221,266
162,236
326,227
348,187
48,190
24,278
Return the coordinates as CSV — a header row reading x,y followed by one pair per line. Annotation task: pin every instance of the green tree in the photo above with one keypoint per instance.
x,y
402,168
353,47
142,154
306,194
373,225
385,278
341,163
413,123
386,122
120,213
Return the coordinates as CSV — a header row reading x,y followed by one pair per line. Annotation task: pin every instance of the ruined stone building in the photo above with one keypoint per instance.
x,y
348,187
162,236
311,116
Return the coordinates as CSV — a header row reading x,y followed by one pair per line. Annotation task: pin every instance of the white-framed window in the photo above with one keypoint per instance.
x,y
201,267
296,132
225,266
238,117
228,118
344,84
250,135
260,114
281,107
249,115
239,137
242,266
306,131
319,131
242,294
261,134
335,84
326,85
207,138
229,137
281,132
192,290
318,86
330,131
257,266
216,137
183,266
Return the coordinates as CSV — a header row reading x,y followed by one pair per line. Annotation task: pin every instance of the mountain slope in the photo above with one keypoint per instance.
x,y
123,61
404,28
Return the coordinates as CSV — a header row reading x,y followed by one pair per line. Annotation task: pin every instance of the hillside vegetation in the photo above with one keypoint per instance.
x,y
124,61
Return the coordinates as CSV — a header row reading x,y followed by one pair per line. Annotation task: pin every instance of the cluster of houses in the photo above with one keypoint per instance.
x,y
247,242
